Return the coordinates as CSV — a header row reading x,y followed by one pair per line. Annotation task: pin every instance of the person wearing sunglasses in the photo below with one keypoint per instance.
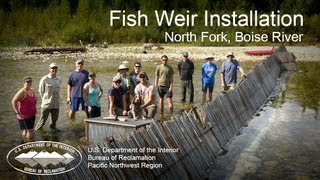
x,y
134,74
117,103
49,88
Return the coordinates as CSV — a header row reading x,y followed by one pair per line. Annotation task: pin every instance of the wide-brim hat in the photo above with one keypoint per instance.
x,y
123,66
230,54
209,58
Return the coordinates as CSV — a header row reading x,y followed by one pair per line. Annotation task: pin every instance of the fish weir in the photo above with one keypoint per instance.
x,y
200,135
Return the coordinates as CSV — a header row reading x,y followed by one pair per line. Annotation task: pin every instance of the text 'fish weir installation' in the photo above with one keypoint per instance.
x,y
185,147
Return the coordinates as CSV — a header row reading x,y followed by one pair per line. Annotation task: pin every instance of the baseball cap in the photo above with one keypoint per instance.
x,y
53,65
79,61
185,54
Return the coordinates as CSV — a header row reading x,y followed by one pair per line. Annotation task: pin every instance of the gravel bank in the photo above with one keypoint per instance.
x,y
134,53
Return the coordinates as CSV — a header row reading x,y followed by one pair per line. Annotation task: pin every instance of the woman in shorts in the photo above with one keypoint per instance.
x,y
24,105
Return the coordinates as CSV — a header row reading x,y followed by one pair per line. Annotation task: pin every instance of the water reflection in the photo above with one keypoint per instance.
x,y
283,142
305,87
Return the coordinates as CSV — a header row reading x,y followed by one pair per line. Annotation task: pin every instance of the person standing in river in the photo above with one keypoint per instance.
x,y
76,81
49,88
208,71
92,92
164,83
24,104
229,73
186,69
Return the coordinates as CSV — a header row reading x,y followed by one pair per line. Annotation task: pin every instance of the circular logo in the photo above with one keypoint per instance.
x,y
44,158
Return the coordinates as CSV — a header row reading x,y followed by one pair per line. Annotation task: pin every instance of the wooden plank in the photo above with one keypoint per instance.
x,y
194,143
185,156
206,151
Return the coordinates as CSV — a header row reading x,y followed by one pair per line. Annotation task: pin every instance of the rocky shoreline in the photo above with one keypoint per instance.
x,y
138,53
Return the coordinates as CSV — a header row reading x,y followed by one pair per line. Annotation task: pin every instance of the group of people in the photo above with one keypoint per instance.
x,y
82,89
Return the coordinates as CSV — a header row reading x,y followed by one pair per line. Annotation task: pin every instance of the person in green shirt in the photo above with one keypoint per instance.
x,y
164,83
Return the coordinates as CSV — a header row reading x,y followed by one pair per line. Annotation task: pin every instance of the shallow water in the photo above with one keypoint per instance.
x,y
284,141
72,132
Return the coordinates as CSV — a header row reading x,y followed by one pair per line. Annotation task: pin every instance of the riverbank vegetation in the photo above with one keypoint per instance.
x,y
66,22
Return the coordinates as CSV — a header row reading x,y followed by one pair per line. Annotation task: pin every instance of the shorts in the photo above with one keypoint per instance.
x,y
75,103
231,86
95,112
163,90
27,123
206,86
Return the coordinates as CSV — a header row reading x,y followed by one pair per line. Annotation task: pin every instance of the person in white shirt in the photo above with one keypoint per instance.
x,y
49,88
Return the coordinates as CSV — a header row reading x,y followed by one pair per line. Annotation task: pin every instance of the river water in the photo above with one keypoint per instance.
x,y
281,142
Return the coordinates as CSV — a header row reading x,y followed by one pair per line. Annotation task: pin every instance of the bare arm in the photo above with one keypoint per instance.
x,y
222,79
111,101
17,97
156,81
242,72
101,91
171,84
85,94
69,88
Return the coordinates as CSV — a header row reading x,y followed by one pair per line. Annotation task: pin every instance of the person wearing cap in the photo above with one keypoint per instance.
x,y
49,90
24,104
134,74
148,95
164,83
229,72
92,92
127,83
208,71
76,81
117,103
186,69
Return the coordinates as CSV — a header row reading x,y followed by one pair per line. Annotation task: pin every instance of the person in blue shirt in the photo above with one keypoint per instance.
x,y
76,81
208,71
229,72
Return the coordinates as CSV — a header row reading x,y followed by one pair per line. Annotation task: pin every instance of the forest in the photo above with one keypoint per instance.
x,y
67,22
